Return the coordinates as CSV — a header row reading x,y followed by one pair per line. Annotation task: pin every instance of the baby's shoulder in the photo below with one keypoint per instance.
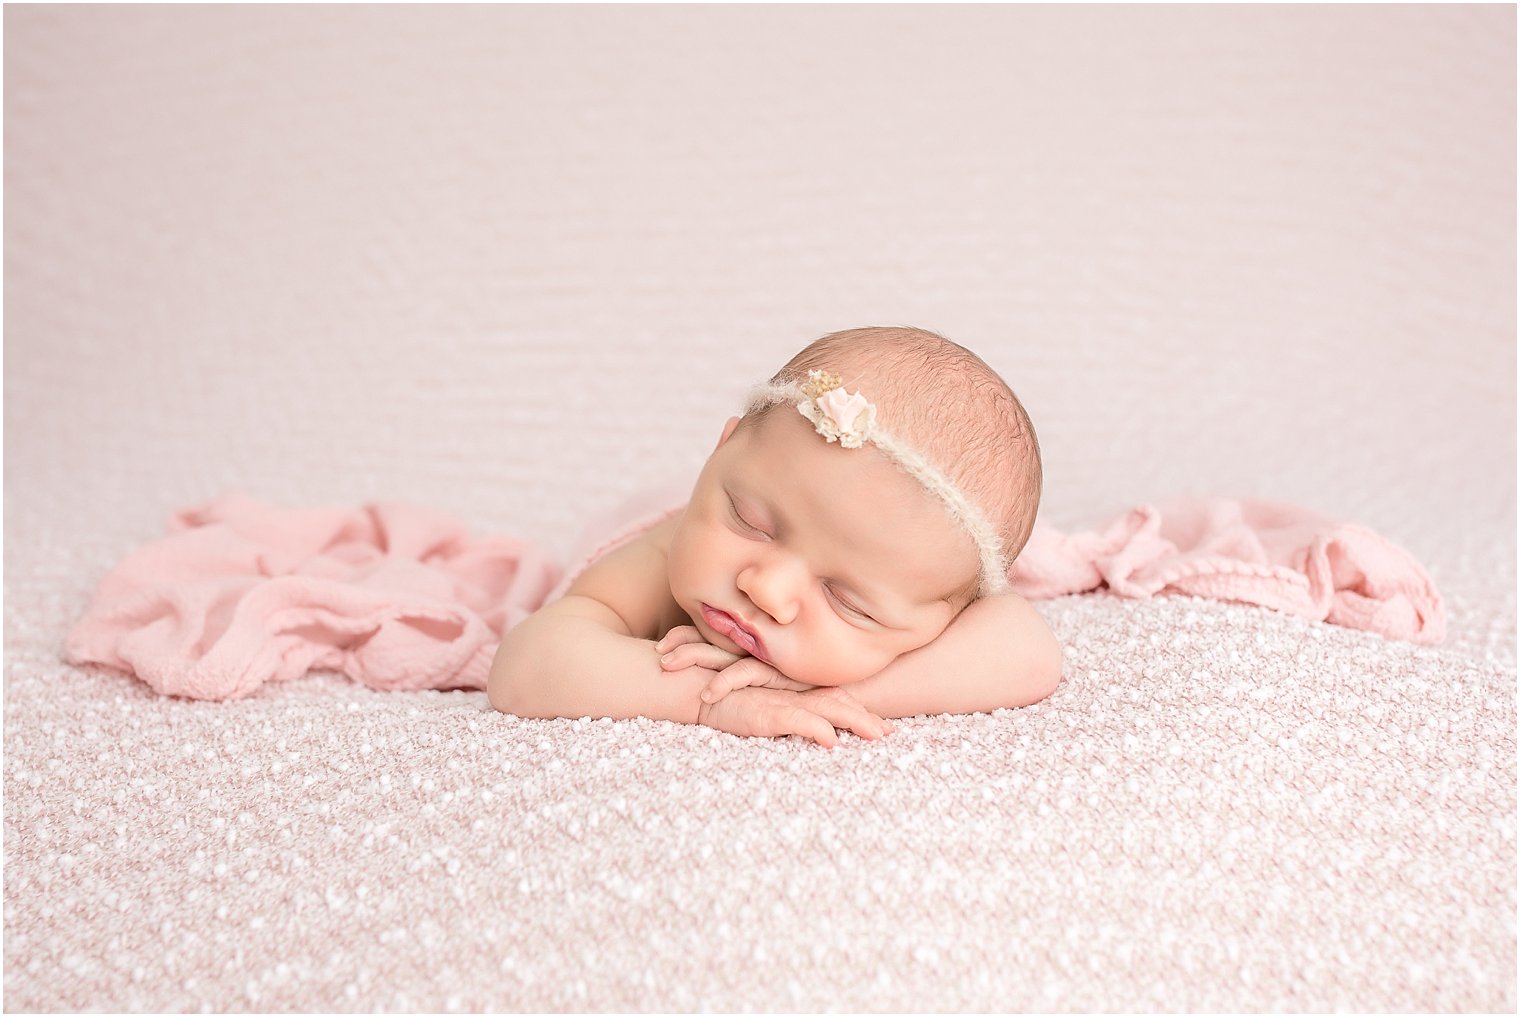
x,y
660,536
633,581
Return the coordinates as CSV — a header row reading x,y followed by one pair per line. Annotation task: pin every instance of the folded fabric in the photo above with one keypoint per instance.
x,y
242,592
398,597
1255,552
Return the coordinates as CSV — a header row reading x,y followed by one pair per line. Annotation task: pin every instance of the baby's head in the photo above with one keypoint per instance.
x,y
830,561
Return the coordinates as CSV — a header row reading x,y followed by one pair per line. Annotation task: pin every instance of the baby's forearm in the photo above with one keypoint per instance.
x,y
997,653
567,666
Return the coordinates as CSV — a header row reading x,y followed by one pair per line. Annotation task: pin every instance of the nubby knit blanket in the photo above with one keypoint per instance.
x,y
400,597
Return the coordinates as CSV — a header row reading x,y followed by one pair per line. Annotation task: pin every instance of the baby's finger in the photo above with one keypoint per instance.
x,y
850,717
678,636
840,695
724,682
697,655
745,672
806,724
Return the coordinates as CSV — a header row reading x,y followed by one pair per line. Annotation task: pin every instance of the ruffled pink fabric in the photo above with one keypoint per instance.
x,y
1255,552
397,597
242,593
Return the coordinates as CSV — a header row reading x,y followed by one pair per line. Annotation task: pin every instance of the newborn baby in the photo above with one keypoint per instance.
x,y
842,560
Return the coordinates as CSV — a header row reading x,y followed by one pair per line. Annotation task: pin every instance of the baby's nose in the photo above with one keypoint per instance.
x,y
771,588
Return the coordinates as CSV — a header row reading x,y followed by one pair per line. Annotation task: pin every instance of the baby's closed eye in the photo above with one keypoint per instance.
x,y
744,524
846,605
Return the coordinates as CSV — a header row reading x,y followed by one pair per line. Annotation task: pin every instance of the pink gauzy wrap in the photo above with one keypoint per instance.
x,y
399,597
1255,552
242,592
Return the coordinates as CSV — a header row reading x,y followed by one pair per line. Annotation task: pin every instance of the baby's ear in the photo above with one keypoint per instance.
x,y
728,429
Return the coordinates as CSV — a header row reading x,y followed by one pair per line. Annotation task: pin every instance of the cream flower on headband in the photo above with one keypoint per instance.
x,y
845,417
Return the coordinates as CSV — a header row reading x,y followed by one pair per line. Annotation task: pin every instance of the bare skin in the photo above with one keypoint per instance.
x,y
805,588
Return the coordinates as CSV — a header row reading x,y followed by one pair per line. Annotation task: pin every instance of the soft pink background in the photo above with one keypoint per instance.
x,y
446,255
517,262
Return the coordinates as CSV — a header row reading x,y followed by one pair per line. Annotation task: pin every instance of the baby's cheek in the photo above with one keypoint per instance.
x,y
677,571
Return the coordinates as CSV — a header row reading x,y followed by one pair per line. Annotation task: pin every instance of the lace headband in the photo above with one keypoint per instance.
x,y
850,419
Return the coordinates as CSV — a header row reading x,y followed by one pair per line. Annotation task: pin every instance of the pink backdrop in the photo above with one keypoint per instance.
x,y
348,252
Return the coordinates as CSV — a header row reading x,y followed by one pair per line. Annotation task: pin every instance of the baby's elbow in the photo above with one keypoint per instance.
x,y
500,688
1044,675
1041,659
509,687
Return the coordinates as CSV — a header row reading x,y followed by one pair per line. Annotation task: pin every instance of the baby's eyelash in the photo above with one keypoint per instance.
x,y
847,605
733,510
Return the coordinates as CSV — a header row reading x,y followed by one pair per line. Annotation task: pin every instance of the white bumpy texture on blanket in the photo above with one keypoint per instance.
x,y
515,263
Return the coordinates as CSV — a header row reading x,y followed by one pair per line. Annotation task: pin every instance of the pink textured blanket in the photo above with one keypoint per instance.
x,y
1256,552
242,592
399,597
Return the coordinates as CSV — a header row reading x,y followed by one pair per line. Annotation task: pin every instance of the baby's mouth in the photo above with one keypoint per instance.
x,y
731,628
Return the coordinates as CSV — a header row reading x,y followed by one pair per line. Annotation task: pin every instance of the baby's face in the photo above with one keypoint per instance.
x,y
827,563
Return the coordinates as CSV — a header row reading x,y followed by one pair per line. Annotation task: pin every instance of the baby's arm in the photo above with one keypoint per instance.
x,y
572,659
997,653
591,654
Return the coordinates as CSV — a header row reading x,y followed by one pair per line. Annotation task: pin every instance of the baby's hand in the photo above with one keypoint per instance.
x,y
686,648
770,713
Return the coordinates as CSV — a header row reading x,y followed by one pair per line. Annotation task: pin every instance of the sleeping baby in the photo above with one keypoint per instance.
x,y
841,561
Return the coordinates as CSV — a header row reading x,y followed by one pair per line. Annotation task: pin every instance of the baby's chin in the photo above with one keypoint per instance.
x,y
832,680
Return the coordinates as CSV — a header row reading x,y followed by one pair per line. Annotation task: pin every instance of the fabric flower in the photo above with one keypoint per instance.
x,y
845,417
